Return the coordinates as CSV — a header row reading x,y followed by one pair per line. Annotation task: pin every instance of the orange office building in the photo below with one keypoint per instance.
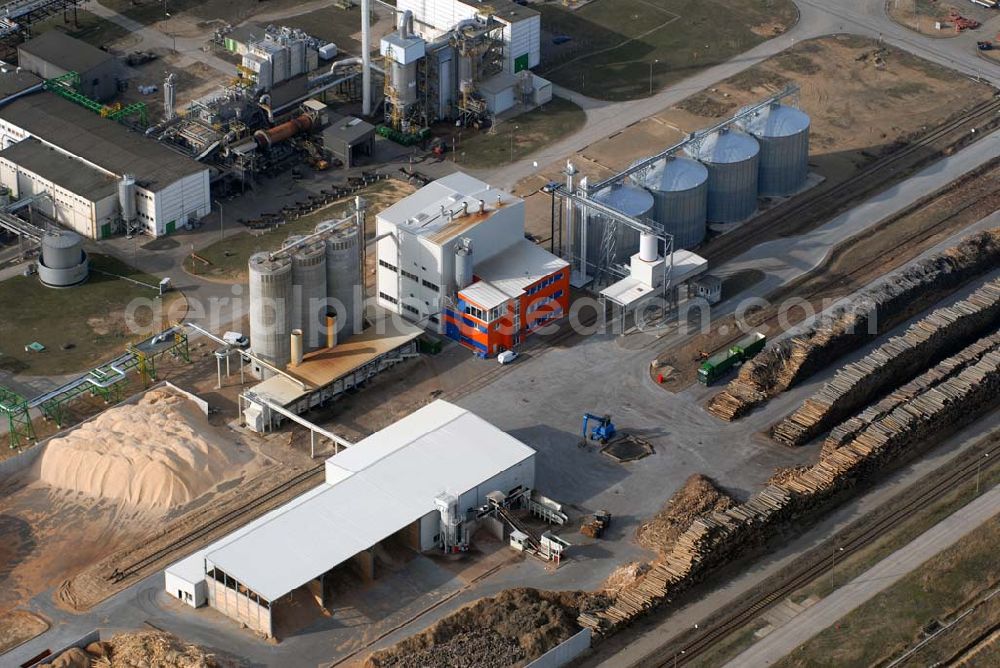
x,y
513,295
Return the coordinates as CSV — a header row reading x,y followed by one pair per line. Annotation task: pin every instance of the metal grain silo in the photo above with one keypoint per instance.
x,y
344,278
309,291
632,201
731,158
680,194
63,262
783,135
270,311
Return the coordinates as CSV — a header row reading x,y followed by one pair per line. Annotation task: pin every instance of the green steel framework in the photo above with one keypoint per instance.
x,y
68,87
17,409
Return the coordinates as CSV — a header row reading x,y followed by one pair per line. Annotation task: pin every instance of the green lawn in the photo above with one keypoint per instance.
x,y
614,42
520,136
229,257
892,620
91,318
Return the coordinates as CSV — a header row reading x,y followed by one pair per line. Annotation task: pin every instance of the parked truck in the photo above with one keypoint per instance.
x,y
723,360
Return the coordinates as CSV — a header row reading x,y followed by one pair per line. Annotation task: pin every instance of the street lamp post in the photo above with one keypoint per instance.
x,y
651,75
833,561
222,232
513,130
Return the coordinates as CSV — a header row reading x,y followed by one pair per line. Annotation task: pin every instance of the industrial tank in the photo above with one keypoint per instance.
x,y
270,310
63,262
783,135
344,280
309,291
126,198
680,198
731,158
463,264
628,199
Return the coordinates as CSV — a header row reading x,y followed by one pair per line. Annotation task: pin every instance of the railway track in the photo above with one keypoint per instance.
x,y
684,652
792,219
206,529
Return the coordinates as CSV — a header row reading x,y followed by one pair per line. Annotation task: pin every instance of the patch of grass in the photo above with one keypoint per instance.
x,y
798,63
229,258
89,28
90,317
613,42
905,89
892,620
522,135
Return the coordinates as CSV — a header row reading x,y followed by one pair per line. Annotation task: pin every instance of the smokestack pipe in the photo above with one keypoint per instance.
x,y
296,345
366,58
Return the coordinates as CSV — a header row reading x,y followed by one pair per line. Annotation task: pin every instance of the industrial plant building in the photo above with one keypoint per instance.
x,y
422,483
100,176
54,54
453,257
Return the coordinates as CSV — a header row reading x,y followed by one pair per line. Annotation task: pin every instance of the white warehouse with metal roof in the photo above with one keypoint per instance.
x,y
418,483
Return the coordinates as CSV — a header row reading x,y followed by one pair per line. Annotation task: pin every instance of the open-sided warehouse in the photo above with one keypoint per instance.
x,y
418,483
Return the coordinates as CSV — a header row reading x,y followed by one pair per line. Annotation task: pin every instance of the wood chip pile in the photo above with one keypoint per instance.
x,y
873,312
511,628
951,394
127,650
896,361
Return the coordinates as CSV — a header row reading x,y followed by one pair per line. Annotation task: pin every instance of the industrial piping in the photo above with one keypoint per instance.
x,y
287,130
366,58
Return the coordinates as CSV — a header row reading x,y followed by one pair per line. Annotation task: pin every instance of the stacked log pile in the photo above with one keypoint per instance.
x,y
891,364
952,393
873,312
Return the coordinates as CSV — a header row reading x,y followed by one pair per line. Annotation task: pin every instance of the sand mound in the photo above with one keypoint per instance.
x,y
157,453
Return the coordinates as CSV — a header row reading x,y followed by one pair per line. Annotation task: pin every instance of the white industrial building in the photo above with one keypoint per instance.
x,y
419,483
78,157
522,25
423,232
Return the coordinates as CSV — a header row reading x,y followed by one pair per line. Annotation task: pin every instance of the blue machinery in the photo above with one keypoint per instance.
x,y
107,381
604,429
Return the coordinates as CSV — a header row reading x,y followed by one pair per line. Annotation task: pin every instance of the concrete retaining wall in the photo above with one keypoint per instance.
x,y
565,652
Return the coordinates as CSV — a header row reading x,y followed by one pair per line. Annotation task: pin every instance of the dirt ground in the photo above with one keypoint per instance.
x,y
19,626
49,534
862,104
922,15
852,265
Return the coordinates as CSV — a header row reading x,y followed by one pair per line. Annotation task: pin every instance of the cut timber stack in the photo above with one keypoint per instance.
x,y
946,397
893,363
874,312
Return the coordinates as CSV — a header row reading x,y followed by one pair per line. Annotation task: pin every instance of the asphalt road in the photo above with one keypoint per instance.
x,y
863,588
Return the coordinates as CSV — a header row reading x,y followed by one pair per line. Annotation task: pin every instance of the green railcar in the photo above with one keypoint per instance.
x,y
719,363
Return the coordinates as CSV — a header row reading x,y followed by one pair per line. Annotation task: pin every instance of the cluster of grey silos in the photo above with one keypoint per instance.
x,y
344,275
632,201
294,290
783,135
680,196
732,160
271,302
309,291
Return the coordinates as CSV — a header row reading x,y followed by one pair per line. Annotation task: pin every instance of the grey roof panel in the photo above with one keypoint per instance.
x,y
65,52
97,140
73,175
12,83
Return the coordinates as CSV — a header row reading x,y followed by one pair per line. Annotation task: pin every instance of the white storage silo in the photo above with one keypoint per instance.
x,y
783,135
270,311
732,160
344,278
630,200
680,194
309,291
63,261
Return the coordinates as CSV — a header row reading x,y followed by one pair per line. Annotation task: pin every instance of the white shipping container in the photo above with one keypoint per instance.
x,y
328,51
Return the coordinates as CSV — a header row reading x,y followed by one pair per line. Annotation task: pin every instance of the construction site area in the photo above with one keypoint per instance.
x,y
454,333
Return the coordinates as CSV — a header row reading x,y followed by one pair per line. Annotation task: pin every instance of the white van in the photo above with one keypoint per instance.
x,y
506,357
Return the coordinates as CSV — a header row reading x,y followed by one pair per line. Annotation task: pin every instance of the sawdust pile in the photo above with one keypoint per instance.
x,y
513,627
158,453
698,496
152,649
